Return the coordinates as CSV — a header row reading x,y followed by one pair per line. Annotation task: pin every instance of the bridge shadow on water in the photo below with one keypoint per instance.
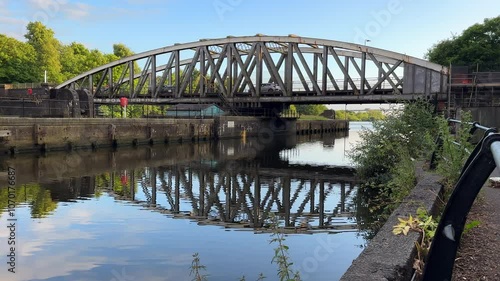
x,y
230,183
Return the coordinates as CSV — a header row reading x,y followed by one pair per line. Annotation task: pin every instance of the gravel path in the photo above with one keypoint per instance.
x,y
479,255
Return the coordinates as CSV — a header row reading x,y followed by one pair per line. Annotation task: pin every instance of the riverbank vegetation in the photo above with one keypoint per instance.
x,y
386,156
477,47
386,160
316,112
367,115
26,62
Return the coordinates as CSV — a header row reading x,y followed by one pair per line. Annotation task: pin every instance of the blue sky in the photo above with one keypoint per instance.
x,y
405,26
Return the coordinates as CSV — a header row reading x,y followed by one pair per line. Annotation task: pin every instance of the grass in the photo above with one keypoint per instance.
x,y
312,117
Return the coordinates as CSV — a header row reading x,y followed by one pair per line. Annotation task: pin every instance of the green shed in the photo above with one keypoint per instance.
x,y
194,111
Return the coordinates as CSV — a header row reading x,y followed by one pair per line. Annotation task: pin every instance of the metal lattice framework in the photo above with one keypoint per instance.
x,y
244,199
298,70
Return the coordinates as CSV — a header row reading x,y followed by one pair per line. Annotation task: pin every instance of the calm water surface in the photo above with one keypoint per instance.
x,y
141,214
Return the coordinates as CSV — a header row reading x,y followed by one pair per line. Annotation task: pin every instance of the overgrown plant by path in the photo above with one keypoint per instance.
x,y
455,149
405,132
424,224
385,158
281,257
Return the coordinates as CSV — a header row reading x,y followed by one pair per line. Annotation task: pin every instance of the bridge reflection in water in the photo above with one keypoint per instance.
x,y
230,183
243,199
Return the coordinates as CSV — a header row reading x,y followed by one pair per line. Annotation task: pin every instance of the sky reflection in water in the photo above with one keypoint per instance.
x,y
94,232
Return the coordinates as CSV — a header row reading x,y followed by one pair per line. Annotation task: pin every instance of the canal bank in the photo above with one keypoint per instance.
x,y
19,135
392,257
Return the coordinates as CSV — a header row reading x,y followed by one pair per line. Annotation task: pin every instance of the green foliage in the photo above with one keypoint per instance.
x,y
133,111
281,258
478,44
312,117
46,48
15,59
455,150
385,160
121,50
39,198
76,59
403,178
26,62
310,109
424,224
369,115
470,225
404,132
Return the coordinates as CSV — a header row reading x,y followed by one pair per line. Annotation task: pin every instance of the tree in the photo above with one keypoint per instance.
x,y
16,60
310,109
47,48
74,60
477,45
121,50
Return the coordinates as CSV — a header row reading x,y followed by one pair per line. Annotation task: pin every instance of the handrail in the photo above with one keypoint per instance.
x,y
480,164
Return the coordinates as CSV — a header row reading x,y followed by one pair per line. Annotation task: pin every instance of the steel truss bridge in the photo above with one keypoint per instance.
x,y
244,198
234,71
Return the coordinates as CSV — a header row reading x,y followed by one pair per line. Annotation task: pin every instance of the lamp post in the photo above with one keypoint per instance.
x,y
367,40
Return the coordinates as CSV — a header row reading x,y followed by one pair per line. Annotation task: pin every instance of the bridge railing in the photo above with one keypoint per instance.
x,y
39,107
476,78
480,164
298,86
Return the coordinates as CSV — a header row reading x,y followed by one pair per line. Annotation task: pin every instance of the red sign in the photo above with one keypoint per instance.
x,y
123,102
124,179
30,91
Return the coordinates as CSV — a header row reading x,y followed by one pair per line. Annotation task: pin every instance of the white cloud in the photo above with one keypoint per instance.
x,y
11,21
3,7
54,8
77,11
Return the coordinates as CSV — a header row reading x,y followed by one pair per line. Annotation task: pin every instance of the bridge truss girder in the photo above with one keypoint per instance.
x,y
236,67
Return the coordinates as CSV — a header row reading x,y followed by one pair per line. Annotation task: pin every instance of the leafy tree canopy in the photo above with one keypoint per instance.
x,y
310,109
16,58
24,62
477,45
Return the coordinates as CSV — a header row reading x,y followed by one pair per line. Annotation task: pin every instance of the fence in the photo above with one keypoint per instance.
x,y
33,107
142,111
476,171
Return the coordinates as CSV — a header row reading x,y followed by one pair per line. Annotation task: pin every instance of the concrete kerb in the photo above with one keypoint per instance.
x,y
389,256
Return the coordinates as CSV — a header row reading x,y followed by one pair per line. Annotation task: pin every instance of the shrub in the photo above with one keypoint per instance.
x,y
405,132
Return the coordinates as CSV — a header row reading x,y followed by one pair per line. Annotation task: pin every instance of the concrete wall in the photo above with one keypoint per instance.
x,y
389,256
234,126
320,126
486,116
35,134
66,133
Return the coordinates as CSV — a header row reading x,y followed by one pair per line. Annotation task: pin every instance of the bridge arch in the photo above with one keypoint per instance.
x,y
289,69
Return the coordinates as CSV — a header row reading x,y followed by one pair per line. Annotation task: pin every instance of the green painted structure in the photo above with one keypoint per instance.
x,y
194,111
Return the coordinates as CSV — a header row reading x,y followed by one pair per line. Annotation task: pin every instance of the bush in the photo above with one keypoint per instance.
x,y
455,149
406,132
385,161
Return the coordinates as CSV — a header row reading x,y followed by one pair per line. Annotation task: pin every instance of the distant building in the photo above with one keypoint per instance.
x,y
194,111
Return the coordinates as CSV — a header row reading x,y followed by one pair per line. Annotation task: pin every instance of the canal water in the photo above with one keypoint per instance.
x,y
142,213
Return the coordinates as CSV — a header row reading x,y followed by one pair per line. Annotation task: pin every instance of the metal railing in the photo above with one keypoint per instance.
x,y
482,78
480,164
34,107
115,111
